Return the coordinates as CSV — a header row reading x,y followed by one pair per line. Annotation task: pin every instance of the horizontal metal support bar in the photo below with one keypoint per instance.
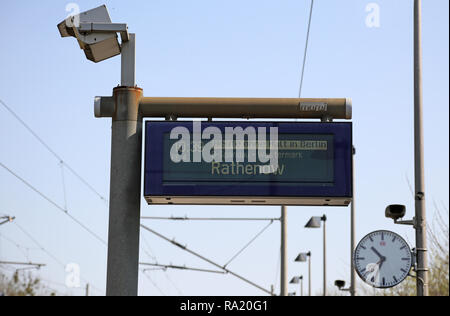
x,y
22,263
246,108
170,266
408,222
208,219
121,28
104,107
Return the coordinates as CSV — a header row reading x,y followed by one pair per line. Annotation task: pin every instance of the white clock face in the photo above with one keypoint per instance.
x,y
383,259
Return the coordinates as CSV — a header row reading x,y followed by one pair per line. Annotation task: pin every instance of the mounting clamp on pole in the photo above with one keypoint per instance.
x,y
397,212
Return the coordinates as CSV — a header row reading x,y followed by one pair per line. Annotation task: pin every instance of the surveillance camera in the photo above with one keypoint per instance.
x,y
339,283
395,211
97,45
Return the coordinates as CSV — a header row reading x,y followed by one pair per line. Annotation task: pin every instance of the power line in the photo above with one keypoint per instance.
x,y
24,250
306,48
153,283
60,263
248,244
206,259
170,266
54,204
39,245
49,149
152,256
64,185
173,283
63,164
277,270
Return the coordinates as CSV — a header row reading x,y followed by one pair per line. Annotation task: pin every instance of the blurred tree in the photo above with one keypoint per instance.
x,y
22,284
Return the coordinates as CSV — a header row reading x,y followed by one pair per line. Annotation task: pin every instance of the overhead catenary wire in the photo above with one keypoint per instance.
x,y
150,253
153,283
64,186
54,204
59,262
24,250
249,243
175,267
26,233
277,270
206,259
49,149
306,49
63,165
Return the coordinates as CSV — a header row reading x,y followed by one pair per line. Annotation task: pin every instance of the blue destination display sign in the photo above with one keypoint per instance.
x,y
248,163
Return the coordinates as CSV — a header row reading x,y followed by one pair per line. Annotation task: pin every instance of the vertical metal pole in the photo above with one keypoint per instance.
x,y
128,66
421,231
87,289
125,191
284,262
352,232
301,287
324,255
309,274
124,210
125,194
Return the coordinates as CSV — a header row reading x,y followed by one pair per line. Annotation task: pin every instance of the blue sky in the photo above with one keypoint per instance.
x,y
224,49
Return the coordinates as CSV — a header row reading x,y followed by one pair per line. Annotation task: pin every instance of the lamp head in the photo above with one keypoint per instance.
x,y
303,257
314,222
295,280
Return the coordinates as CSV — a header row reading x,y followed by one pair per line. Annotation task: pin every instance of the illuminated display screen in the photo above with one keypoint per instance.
x,y
305,164
303,159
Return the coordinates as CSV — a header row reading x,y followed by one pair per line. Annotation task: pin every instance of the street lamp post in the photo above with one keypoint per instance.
x,y
301,285
397,212
420,219
284,261
298,280
353,230
303,257
315,222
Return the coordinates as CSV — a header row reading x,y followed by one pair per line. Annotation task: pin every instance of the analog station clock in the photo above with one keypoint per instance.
x,y
383,259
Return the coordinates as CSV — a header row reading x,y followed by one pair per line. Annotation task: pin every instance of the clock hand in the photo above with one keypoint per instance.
x,y
381,262
378,254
